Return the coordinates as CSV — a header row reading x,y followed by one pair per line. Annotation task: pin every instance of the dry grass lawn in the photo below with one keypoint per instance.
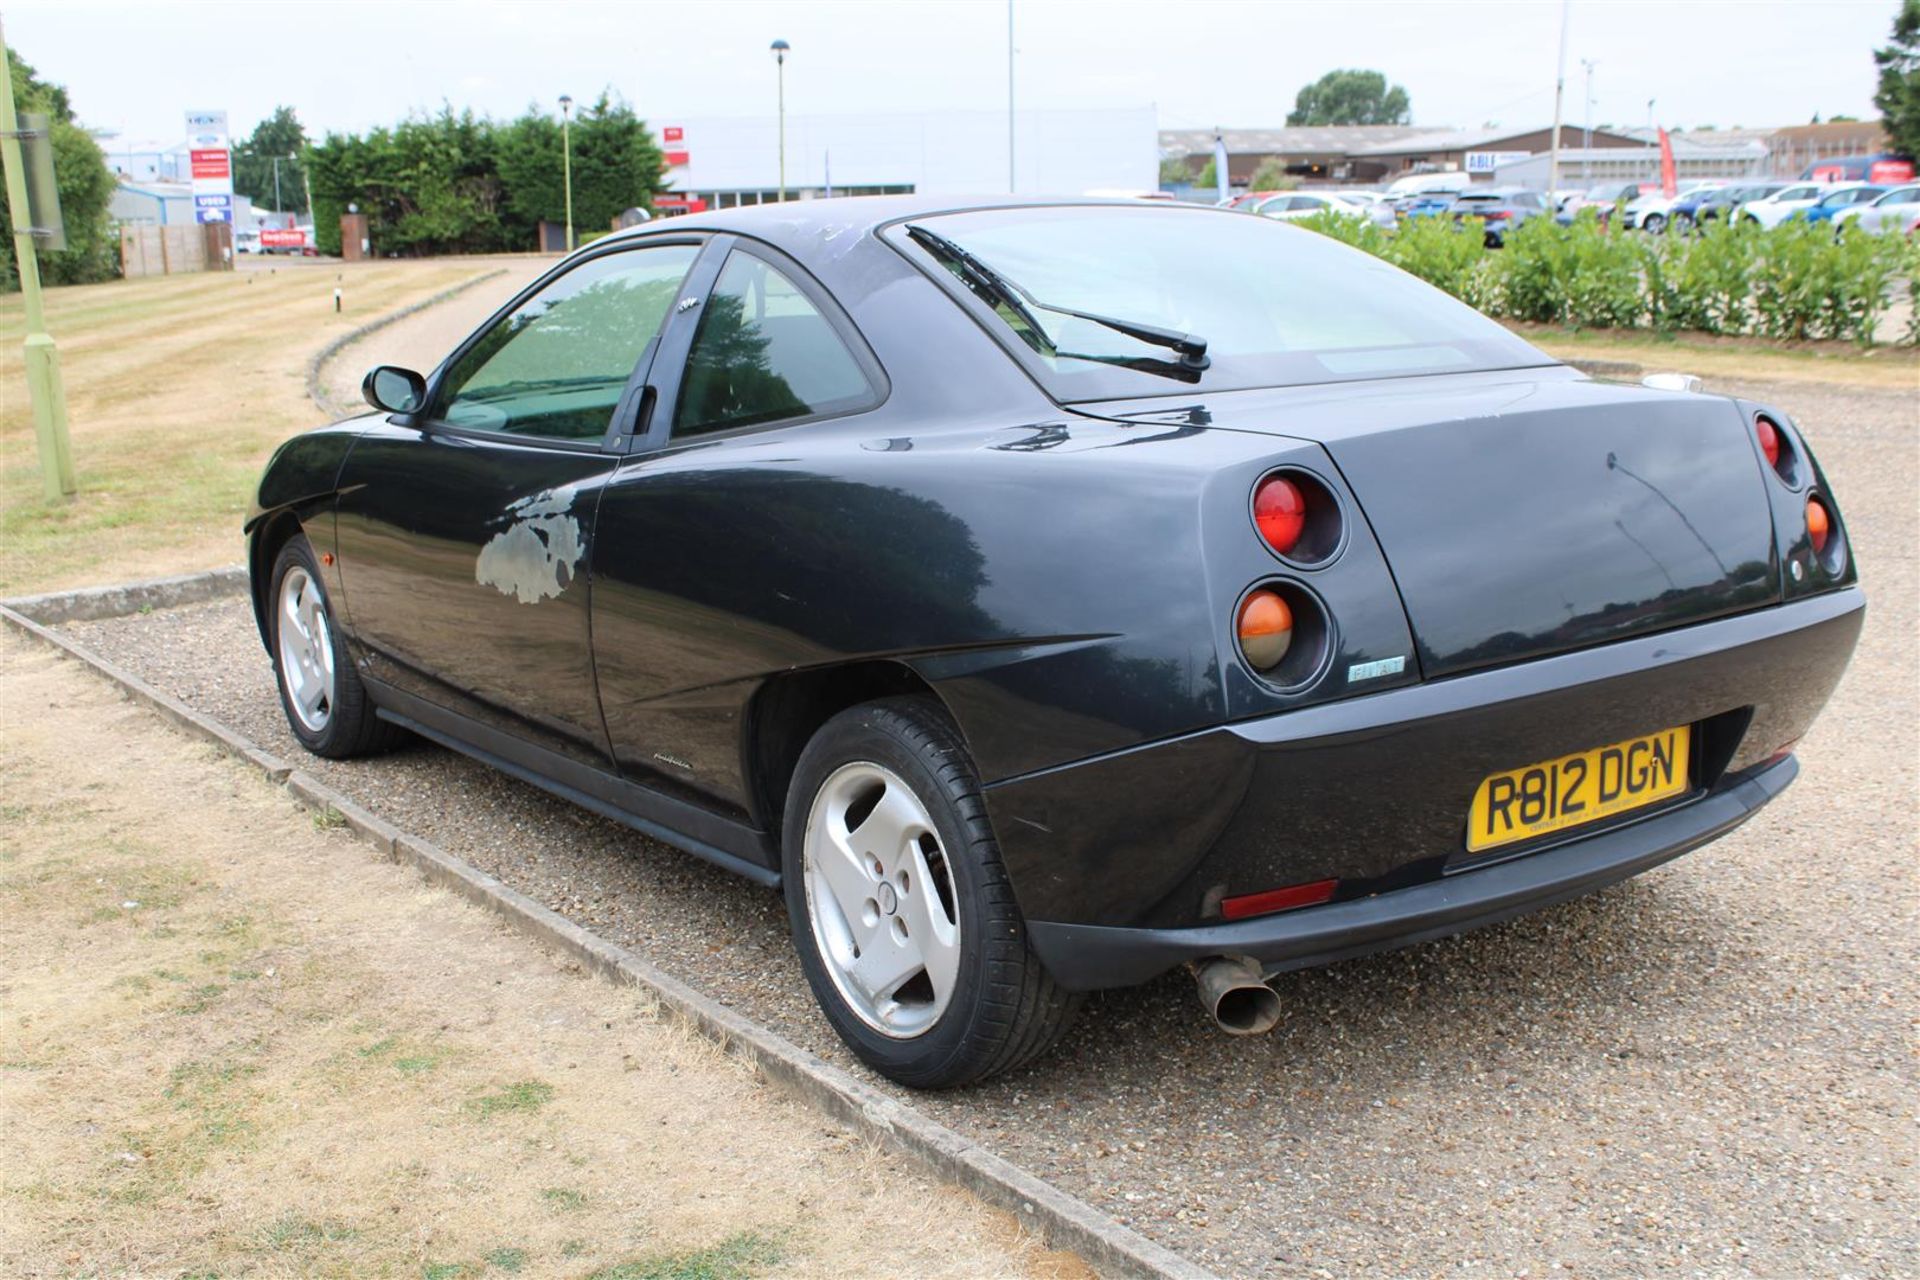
x,y
178,388
1723,358
232,1042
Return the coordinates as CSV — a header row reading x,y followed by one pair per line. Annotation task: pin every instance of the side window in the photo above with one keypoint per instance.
x,y
556,366
763,353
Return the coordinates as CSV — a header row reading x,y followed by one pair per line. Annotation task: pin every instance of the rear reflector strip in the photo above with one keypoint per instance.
x,y
1272,900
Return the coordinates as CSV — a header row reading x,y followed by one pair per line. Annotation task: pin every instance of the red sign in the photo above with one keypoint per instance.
x,y
209,164
670,203
282,238
673,133
1669,186
1890,171
675,159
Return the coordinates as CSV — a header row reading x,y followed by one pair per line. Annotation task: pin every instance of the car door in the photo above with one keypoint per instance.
x,y
1892,211
464,531
682,635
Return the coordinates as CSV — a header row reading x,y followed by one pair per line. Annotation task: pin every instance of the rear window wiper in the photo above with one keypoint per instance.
x,y
1191,348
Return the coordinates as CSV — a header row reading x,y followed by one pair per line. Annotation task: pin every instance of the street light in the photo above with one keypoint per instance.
x,y
780,48
1587,142
566,159
277,206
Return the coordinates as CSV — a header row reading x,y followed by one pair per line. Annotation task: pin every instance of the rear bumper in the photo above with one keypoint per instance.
x,y
1120,862
1090,957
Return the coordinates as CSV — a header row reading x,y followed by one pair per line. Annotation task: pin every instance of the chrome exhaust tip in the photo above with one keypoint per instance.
x,y
1236,996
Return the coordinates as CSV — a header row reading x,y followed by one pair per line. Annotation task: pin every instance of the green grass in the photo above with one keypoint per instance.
x,y
526,1096
738,1257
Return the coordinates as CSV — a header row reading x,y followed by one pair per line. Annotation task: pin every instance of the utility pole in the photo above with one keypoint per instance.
x,y
1559,93
1011,184
43,359
277,206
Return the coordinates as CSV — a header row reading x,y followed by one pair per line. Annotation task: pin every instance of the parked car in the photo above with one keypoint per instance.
x,y
1422,184
1246,200
1046,595
1890,212
1425,204
1837,198
1652,210
1701,207
1771,211
1292,205
1602,198
1499,209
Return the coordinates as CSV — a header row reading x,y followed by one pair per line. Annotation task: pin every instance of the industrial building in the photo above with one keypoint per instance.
x,y
1378,154
723,161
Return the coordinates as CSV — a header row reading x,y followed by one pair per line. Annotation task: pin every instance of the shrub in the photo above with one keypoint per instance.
x,y
1796,281
1449,255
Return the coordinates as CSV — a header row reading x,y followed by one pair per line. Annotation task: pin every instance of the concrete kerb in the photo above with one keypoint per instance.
x,y
1061,1220
317,392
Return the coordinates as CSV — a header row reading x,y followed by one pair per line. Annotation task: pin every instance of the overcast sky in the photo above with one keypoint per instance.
x,y
345,65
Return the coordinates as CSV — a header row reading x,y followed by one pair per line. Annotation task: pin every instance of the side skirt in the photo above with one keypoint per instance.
x,y
725,842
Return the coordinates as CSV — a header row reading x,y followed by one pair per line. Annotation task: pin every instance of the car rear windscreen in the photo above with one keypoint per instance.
x,y
1278,305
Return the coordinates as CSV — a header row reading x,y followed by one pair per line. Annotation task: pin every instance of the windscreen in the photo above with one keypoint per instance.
x,y
1277,305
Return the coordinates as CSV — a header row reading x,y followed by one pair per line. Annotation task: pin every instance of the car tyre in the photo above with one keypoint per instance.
x,y
888,854
1655,224
326,704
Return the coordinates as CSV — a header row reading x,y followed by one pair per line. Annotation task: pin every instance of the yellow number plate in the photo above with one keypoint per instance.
x,y
1584,787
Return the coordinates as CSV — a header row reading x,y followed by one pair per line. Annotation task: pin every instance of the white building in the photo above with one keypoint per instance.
x,y
721,161
166,204
1581,167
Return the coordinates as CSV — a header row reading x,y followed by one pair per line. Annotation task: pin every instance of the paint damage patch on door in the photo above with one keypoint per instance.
x,y
538,554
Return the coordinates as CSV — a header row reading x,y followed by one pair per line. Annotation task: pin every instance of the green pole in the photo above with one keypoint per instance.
x,y
566,160
43,360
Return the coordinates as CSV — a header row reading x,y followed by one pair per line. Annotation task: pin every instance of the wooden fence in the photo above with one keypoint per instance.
x,y
175,249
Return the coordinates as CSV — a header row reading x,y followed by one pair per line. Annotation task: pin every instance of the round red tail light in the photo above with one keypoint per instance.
x,y
1280,509
1769,440
1266,629
1819,525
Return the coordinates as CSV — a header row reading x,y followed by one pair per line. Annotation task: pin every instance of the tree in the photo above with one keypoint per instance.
x,y
1175,172
1353,97
280,136
85,184
1272,175
616,166
1898,96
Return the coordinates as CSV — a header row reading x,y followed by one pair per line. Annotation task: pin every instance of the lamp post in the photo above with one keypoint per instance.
x,y
780,48
566,159
1587,142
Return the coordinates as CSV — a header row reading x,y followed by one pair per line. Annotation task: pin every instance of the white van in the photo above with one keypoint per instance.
x,y
1420,184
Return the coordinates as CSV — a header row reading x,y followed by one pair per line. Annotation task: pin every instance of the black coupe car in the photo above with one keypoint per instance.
x,y
1048,595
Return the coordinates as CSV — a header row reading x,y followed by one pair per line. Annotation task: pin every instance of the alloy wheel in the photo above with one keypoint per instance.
x,y
306,649
881,901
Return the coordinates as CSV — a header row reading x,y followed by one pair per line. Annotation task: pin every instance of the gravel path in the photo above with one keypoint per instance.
x,y
423,339
1709,1069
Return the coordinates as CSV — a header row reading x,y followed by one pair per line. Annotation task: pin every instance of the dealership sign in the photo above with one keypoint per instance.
x,y
1488,161
673,139
210,163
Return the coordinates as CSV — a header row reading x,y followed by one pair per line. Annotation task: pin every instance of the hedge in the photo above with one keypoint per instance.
x,y
1795,281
